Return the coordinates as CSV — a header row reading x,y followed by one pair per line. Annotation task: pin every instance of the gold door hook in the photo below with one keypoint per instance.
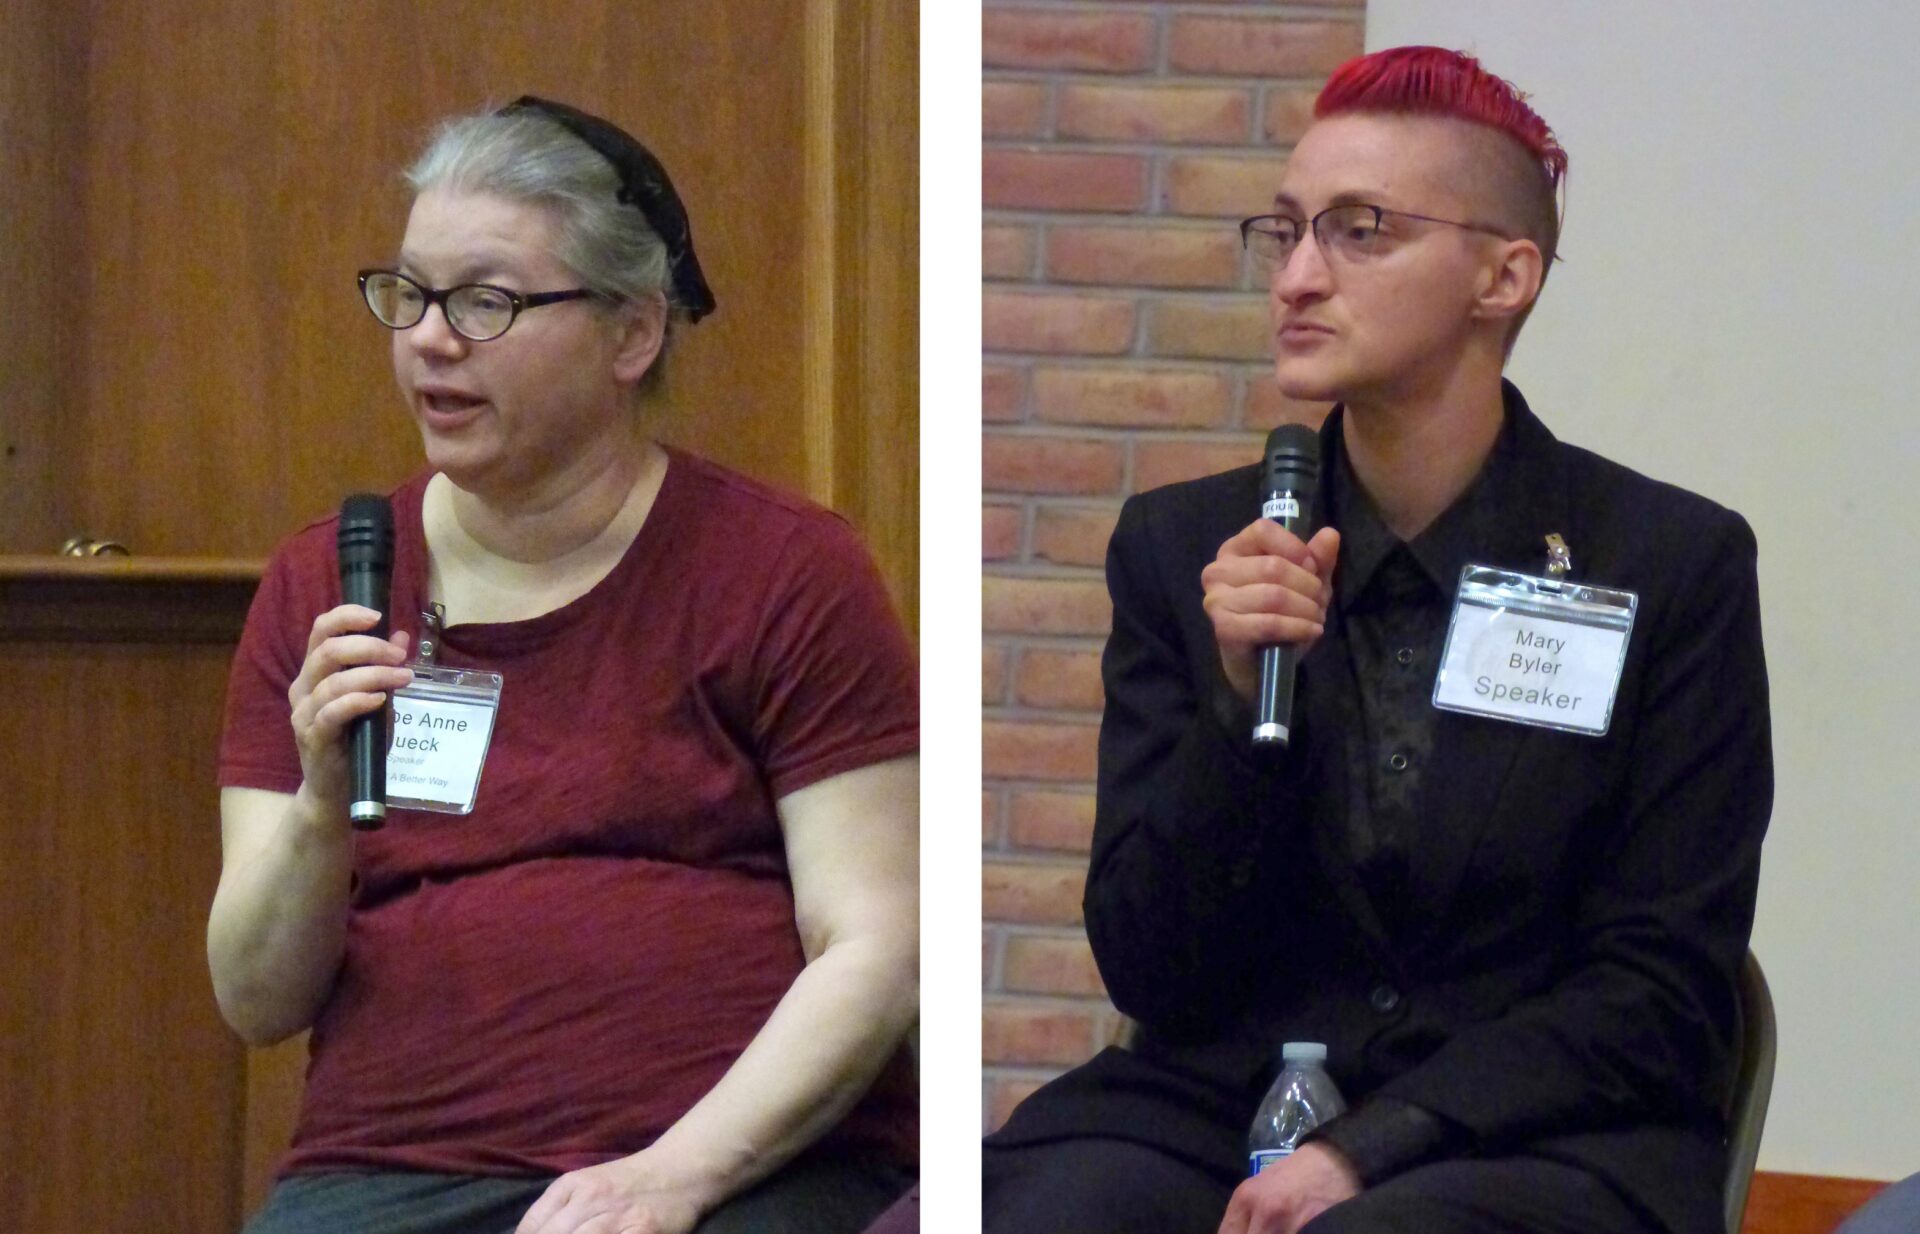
x,y
87,546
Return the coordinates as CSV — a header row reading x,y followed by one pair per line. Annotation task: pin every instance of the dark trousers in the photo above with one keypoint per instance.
x,y
1111,1186
813,1195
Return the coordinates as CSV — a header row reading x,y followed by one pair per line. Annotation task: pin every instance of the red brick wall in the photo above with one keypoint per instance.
x,y
1126,347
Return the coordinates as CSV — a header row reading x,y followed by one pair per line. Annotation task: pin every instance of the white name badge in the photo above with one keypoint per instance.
x,y
442,723
1535,650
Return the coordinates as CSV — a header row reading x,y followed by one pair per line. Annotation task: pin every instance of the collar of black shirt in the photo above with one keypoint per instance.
x,y
1467,532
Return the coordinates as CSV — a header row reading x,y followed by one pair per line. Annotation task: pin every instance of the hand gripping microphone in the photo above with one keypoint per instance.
x,y
365,548
1289,483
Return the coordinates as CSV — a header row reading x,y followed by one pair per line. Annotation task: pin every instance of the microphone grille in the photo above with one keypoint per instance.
x,y
1293,448
366,525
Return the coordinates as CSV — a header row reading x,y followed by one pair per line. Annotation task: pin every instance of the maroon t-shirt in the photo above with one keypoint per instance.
x,y
550,981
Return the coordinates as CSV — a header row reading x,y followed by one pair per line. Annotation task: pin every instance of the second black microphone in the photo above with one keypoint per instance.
x,y
1289,487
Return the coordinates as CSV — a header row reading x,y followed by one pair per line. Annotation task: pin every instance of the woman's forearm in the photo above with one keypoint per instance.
x,y
278,923
818,1053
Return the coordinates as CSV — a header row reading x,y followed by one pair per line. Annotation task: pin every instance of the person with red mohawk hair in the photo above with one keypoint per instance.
x,y
1504,864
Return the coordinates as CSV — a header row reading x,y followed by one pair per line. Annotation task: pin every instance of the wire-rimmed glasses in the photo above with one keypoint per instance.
x,y
476,311
1348,233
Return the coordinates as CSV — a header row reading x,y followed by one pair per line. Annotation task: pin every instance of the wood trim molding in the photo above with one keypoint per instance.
x,y
1803,1203
154,569
132,600
823,66
861,335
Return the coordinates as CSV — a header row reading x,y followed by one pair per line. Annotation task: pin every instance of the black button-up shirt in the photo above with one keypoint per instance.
x,y
1394,598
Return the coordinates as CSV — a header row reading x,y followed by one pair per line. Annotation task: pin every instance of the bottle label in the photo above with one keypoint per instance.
x,y
1261,1158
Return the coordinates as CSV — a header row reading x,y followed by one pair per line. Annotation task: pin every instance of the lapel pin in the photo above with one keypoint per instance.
x,y
1559,560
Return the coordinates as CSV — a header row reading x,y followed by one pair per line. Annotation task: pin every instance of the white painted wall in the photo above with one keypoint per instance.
x,y
1738,312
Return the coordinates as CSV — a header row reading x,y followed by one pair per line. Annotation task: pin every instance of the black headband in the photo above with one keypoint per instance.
x,y
643,184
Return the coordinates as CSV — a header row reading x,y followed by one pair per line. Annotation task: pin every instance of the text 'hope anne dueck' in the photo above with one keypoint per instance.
x,y
425,721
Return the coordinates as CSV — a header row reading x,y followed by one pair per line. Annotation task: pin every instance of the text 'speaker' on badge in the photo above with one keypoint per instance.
x,y
1536,651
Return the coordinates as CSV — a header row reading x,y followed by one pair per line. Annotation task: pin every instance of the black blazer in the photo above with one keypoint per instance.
x,y
1580,905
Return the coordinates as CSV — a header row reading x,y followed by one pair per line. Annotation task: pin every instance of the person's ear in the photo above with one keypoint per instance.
x,y
1509,280
643,331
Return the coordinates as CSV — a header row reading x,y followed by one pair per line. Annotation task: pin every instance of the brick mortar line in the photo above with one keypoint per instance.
x,y
1211,149
1106,145
1046,573
1008,849
1093,642
1034,859
1166,364
1006,690
1112,290
1022,1071
1002,814
1092,432
1010,634
1037,1000
1127,438
1007,640
1345,13
1051,712
1002,217
1131,79
1132,361
1006,216
1065,934
1258,90
1064,712
1084,505
1142,337
1044,432
1087,718
1013,784
1044,284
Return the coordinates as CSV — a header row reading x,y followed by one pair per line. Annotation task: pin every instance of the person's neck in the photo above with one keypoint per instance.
x,y
1416,449
564,513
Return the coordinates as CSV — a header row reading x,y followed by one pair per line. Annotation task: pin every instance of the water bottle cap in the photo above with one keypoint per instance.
x,y
1303,1052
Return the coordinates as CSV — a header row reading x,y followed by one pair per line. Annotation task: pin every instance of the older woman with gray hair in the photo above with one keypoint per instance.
x,y
636,948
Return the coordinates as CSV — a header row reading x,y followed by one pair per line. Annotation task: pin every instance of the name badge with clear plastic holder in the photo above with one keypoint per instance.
x,y
1538,651
442,724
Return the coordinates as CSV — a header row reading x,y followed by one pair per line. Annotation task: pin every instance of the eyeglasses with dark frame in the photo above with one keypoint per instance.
x,y
479,312
1345,232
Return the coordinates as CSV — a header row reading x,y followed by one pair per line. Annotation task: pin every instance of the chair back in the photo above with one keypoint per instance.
x,y
1752,1088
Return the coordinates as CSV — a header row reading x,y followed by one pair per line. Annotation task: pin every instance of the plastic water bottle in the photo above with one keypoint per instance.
x,y
1302,1097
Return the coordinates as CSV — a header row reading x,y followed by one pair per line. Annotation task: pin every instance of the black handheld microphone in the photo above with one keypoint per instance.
x,y
365,548
1289,483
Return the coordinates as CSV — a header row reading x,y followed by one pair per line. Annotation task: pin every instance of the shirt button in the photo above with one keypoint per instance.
x,y
1398,762
1384,998
1404,655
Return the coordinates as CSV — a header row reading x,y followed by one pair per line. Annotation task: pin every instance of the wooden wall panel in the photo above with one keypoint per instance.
x,y
119,1078
276,1076
242,161
40,56
863,362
